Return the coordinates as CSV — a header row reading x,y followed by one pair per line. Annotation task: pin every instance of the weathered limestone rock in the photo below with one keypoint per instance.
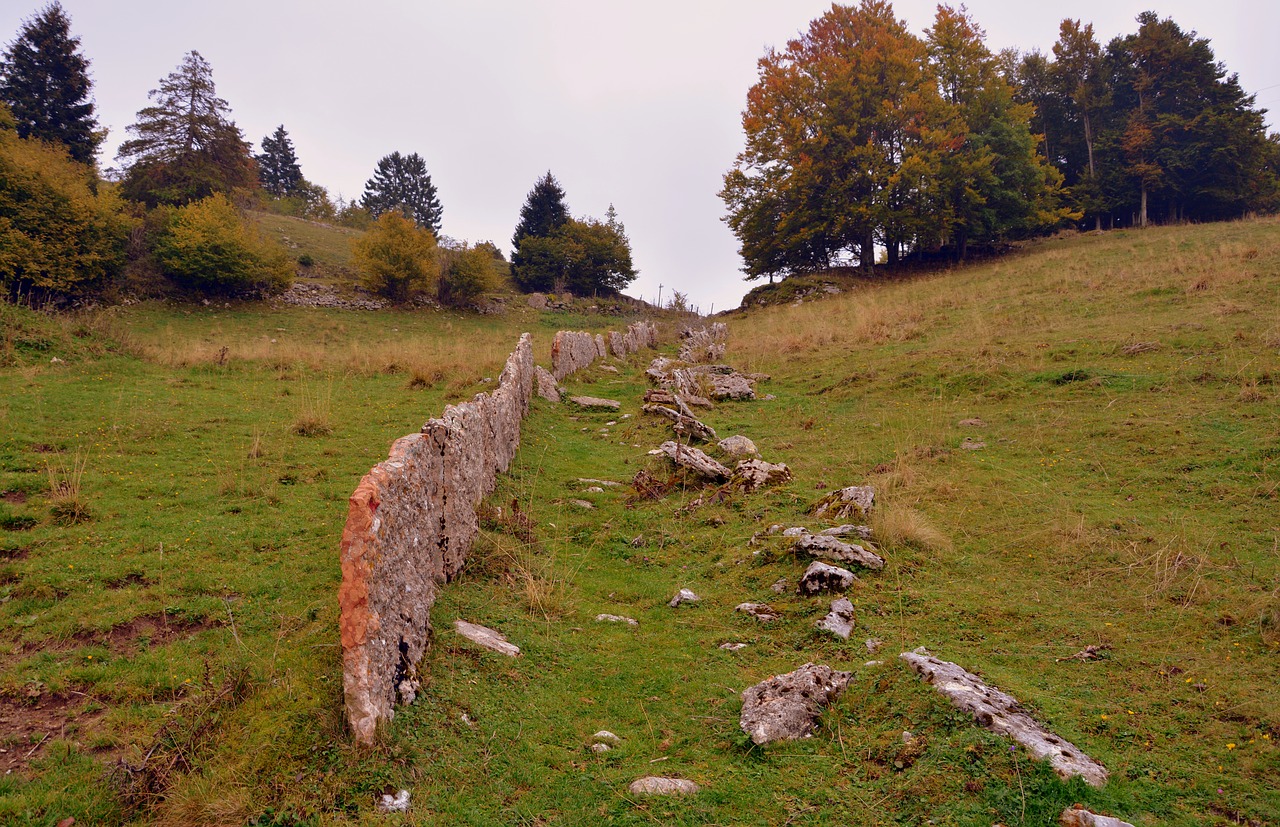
x,y
571,351
604,736
754,474
860,531
659,396
1002,713
538,301
410,523
762,612
717,381
656,785
839,621
705,344
738,446
683,425
398,803
547,386
733,647
659,370
821,577
833,548
854,502
787,707
594,402
683,596
606,618
486,637
617,344
693,459
602,350
605,483
1078,816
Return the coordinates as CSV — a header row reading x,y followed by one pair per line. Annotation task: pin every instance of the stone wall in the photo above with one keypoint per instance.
x,y
571,350
410,525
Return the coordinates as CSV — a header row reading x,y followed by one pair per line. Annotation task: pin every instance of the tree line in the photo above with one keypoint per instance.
x,y
186,176
866,142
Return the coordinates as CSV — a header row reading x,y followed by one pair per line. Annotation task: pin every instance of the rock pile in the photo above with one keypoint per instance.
x,y
705,344
410,523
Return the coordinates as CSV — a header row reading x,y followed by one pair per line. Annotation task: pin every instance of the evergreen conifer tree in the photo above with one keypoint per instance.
x,y
186,146
543,215
278,169
45,81
401,183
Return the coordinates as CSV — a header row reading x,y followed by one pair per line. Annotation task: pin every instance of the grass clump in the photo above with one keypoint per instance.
x,y
66,500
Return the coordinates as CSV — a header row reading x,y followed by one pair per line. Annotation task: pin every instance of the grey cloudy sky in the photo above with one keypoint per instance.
x,y
636,104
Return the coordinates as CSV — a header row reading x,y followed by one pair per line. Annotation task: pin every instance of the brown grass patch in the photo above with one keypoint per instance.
x,y
895,525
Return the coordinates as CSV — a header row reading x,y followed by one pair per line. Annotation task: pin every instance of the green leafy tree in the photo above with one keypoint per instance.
x,y
209,248
401,183
45,81
466,272
186,147
544,213
585,257
396,257
278,169
1080,72
60,233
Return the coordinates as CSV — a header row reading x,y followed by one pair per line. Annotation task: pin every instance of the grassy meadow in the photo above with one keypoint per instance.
x,y
174,488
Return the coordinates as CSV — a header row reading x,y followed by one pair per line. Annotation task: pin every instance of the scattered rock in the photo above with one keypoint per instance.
x,y
833,548
599,748
604,618
545,384
693,459
593,402
873,644
972,423
754,474
821,577
839,621
971,444
486,637
659,396
795,531
854,501
605,483
733,647
683,596
1078,816
705,344
683,425
762,612
604,736
1002,713
595,489
862,532
398,803
779,586
657,785
738,446
609,369
538,301
786,707
583,504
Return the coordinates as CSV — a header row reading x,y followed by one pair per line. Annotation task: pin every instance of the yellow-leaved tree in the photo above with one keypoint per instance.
x,y
396,258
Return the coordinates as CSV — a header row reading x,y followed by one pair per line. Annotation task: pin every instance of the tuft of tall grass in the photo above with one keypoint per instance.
x,y
66,502
895,525
314,410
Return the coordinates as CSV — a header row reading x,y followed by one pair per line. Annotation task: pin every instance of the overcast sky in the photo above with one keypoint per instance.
x,y
636,104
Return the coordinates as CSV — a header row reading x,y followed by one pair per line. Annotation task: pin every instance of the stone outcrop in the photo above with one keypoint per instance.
x,y
839,621
410,524
762,612
693,459
787,707
705,344
854,502
833,548
1078,816
738,446
754,474
823,577
684,596
1000,712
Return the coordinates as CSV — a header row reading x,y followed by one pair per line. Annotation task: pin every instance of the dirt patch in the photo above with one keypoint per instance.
x,y
129,638
133,578
13,497
45,448
19,553
27,728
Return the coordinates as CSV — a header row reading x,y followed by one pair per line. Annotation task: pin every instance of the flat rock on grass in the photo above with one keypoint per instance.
x,y
658,785
683,596
595,403
754,474
852,502
823,577
833,548
762,612
1078,816
486,637
839,621
787,707
607,618
738,446
1002,713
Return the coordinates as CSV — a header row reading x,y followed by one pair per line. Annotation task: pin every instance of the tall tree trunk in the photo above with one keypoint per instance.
x,y
1142,210
867,251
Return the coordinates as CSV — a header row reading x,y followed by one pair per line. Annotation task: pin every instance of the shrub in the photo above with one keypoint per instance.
x,y
397,259
207,247
466,273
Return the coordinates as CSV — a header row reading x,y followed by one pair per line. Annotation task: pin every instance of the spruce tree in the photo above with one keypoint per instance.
x,y
401,183
45,81
278,169
186,146
543,215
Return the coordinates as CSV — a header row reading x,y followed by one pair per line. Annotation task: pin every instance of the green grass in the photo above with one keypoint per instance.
x,y
1125,498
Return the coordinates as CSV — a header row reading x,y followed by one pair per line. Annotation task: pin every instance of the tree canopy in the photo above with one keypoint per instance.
x,y
397,257
45,81
402,184
186,147
278,169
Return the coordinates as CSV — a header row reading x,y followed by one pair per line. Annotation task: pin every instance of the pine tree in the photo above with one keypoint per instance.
x,y
45,81
543,214
186,146
278,169
401,183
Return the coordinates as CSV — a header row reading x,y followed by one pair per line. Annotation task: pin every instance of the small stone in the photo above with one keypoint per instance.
x,y
839,621
595,489
907,736
1078,816
873,644
605,483
595,402
738,446
733,647
656,785
795,531
608,369
606,618
486,637
779,586
762,612
398,803
683,596
598,748
823,577
583,504
786,707
604,736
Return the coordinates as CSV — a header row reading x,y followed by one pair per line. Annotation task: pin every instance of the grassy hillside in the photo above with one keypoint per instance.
x,y
172,510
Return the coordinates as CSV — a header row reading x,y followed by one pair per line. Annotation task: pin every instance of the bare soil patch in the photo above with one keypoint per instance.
x,y
27,728
13,497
